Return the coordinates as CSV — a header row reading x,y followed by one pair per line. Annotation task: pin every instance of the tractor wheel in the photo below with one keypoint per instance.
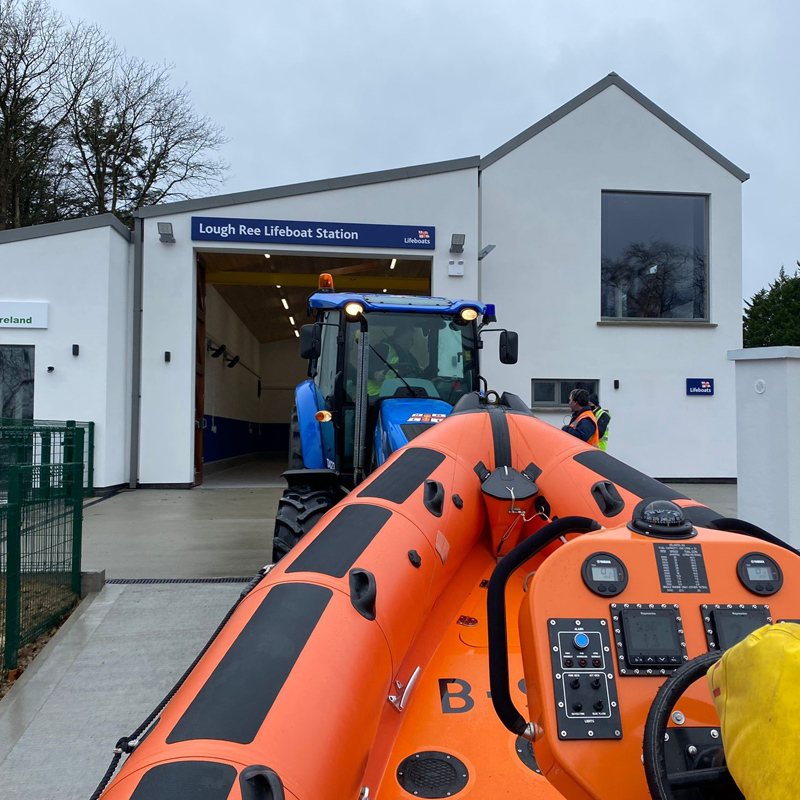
x,y
295,443
299,510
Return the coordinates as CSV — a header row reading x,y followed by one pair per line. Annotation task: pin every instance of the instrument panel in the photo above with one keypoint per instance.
x,y
610,615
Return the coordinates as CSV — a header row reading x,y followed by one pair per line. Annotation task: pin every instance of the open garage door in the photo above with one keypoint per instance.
x,y
254,305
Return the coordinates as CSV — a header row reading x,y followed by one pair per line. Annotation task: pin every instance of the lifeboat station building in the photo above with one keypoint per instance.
x,y
607,235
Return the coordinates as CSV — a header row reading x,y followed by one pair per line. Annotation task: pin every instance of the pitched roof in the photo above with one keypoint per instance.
x,y
309,187
612,79
65,226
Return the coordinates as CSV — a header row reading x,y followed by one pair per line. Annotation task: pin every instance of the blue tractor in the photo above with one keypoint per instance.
x,y
382,369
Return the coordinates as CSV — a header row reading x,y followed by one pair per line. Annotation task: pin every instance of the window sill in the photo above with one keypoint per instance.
x,y
669,323
557,409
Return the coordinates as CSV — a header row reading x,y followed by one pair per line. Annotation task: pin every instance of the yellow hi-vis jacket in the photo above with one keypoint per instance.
x,y
374,385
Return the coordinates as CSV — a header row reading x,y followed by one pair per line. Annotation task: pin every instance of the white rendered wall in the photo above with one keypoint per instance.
x,y
230,392
541,207
767,388
446,201
282,369
85,277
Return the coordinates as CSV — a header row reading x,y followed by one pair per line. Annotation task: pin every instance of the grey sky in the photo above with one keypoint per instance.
x,y
310,90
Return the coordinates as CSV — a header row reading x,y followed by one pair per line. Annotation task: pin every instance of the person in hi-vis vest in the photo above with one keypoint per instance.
x,y
583,424
395,360
603,417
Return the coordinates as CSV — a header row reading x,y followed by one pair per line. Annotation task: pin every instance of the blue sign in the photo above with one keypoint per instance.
x,y
700,386
338,234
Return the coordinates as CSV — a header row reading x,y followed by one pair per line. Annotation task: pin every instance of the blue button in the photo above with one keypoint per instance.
x,y
581,641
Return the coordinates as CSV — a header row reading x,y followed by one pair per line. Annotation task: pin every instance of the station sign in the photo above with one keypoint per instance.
x,y
700,386
337,234
23,315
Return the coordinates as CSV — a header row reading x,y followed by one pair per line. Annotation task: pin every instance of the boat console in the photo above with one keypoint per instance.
x,y
609,619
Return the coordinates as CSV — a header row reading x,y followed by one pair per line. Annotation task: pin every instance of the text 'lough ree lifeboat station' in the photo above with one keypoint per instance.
x,y
608,235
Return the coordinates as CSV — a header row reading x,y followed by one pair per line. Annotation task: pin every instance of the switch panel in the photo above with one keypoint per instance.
x,y
587,706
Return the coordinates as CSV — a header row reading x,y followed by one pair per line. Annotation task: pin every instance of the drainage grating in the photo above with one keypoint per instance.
x,y
432,774
176,580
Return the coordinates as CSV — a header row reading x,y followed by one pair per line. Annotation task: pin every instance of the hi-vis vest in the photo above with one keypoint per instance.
x,y
603,443
594,438
373,385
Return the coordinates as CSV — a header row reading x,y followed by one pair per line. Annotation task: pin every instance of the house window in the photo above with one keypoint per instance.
x,y
16,382
654,256
555,392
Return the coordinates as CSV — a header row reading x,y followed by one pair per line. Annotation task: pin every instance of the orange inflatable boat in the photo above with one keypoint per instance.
x,y
376,660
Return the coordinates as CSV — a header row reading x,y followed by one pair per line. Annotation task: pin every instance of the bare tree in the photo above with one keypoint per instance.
x,y
46,67
138,141
85,129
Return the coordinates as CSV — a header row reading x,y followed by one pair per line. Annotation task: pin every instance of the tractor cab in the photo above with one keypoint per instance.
x,y
382,369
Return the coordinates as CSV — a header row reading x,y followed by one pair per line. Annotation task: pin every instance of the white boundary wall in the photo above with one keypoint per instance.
x,y
767,391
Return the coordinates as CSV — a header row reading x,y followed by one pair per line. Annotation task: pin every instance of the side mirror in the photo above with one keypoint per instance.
x,y
509,347
310,341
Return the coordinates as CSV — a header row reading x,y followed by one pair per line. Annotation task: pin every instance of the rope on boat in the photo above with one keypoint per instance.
x,y
127,744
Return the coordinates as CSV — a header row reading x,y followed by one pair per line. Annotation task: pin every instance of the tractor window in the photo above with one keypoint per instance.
x,y
436,351
326,366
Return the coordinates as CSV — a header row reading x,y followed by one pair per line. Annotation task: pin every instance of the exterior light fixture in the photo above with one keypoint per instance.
x,y
485,251
285,304
267,255
323,416
291,321
353,309
233,362
278,286
457,243
393,264
165,233
216,351
297,333
385,290
469,314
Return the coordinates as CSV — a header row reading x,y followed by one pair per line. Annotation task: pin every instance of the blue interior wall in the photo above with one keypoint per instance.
x,y
238,437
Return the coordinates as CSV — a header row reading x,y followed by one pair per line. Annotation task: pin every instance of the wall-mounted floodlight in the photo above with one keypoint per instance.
x,y
485,251
165,233
233,362
457,243
216,352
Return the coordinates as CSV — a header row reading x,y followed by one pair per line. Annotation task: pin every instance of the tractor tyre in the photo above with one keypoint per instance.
x,y
299,510
295,443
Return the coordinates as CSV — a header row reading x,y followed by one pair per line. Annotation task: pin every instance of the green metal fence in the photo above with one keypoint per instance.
x,y
40,542
45,442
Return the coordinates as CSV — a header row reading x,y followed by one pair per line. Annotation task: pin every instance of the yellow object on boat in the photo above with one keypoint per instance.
x,y
756,690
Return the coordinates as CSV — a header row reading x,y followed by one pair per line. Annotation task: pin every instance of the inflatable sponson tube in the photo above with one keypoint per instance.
x,y
307,687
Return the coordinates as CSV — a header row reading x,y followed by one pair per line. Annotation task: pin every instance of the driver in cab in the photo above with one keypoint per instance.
x,y
392,358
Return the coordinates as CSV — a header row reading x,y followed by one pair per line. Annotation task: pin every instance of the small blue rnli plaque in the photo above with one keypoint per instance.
x,y
700,386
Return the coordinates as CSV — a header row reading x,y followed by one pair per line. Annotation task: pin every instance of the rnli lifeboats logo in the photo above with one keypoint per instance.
x,y
700,386
427,418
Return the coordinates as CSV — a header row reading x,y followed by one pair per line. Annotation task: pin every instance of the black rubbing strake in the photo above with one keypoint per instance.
x,y
335,550
402,478
626,477
235,700
186,780
501,437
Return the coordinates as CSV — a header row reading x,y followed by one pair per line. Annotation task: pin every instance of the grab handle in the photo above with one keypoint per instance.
x,y
363,590
434,497
258,782
496,614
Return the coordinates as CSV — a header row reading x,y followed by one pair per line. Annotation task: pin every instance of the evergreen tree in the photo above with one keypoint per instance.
x,y
772,316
